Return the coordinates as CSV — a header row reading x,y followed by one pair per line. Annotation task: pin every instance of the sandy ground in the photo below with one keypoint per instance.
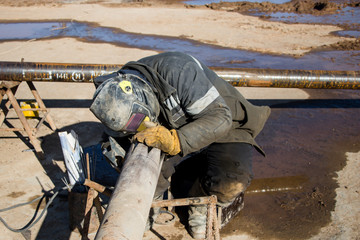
x,y
214,27
23,176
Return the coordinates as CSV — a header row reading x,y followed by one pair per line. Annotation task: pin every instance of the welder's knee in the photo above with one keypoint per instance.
x,y
227,186
229,170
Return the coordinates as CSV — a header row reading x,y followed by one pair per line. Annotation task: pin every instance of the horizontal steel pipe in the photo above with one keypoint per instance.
x,y
292,78
64,72
53,72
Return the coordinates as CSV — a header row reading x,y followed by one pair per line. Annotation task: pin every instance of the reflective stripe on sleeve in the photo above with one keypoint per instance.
x,y
171,103
203,102
197,61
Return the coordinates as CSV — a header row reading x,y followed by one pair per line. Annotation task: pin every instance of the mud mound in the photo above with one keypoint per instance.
x,y
314,7
296,6
347,45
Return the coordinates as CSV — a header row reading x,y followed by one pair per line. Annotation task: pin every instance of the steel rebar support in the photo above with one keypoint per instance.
x,y
129,206
66,72
212,223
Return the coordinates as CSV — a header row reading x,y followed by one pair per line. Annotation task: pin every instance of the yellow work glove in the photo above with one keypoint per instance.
x,y
161,138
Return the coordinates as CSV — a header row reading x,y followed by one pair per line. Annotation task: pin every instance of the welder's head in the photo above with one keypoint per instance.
x,y
122,102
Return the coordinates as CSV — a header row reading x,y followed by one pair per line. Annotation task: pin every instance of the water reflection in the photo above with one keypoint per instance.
x,y
212,55
277,184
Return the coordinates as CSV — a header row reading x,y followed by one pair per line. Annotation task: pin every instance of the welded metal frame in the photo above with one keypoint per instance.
x,y
212,220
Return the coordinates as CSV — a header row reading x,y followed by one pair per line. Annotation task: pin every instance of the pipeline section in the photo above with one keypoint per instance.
x,y
129,206
245,77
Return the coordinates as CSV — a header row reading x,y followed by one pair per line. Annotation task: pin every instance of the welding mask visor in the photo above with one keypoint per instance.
x,y
123,102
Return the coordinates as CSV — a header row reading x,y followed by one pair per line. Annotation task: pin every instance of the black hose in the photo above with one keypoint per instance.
x,y
34,220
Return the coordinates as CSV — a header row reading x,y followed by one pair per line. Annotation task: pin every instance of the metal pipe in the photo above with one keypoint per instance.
x,y
292,78
129,206
53,72
65,72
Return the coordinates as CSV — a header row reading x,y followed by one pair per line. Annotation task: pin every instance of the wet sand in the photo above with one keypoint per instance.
x,y
204,25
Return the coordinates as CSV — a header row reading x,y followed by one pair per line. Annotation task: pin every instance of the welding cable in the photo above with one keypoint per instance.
x,y
34,220
167,222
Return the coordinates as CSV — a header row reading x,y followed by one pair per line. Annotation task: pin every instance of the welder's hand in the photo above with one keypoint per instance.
x,y
160,137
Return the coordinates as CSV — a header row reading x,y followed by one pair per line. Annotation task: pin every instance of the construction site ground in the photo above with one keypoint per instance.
x,y
307,187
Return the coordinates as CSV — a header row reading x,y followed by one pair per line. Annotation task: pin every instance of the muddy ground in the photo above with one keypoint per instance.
x,y
312,7
306,188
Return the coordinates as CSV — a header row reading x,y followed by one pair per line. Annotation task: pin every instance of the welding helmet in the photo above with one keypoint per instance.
x,y
122,102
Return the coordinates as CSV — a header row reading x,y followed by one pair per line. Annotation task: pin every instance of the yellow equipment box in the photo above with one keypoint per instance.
x,y
29,105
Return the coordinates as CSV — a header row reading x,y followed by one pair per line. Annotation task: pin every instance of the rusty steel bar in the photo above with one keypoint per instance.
x,y
98,187
185,201
66,72
130,203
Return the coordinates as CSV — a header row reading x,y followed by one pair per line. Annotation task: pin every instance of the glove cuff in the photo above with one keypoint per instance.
x,y
176,148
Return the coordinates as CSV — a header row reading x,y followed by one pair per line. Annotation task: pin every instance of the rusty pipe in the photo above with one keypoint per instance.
x,y
292,78
129,206
53,72
247,77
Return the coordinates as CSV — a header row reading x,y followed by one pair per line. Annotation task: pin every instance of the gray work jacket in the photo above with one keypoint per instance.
x,y
201,106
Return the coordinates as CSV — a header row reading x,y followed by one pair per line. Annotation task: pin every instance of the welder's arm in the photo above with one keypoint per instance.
x,y
214,122
210,116
208,126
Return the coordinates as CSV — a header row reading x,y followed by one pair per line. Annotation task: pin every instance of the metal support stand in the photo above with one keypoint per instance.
x,y
213,219
92,200
9,89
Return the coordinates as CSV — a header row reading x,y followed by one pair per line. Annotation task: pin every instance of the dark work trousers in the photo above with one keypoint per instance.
x,y
221,169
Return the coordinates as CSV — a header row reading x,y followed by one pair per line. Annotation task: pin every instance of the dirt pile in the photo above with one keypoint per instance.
x,y
296,6
313,7
346,45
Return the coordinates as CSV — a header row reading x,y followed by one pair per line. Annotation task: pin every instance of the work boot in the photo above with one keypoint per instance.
x,y
228,211
154,212
197,221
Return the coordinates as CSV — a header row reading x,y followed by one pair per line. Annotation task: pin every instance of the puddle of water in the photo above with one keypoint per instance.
x,y
22,31
299,140
348,17
349,33
277,184
211,55
203,2
293,192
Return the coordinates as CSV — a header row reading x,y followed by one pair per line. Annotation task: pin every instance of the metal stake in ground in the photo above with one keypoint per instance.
x,y
129,206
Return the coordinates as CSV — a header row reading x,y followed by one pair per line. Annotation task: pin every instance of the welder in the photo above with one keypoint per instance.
x,y
193,113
